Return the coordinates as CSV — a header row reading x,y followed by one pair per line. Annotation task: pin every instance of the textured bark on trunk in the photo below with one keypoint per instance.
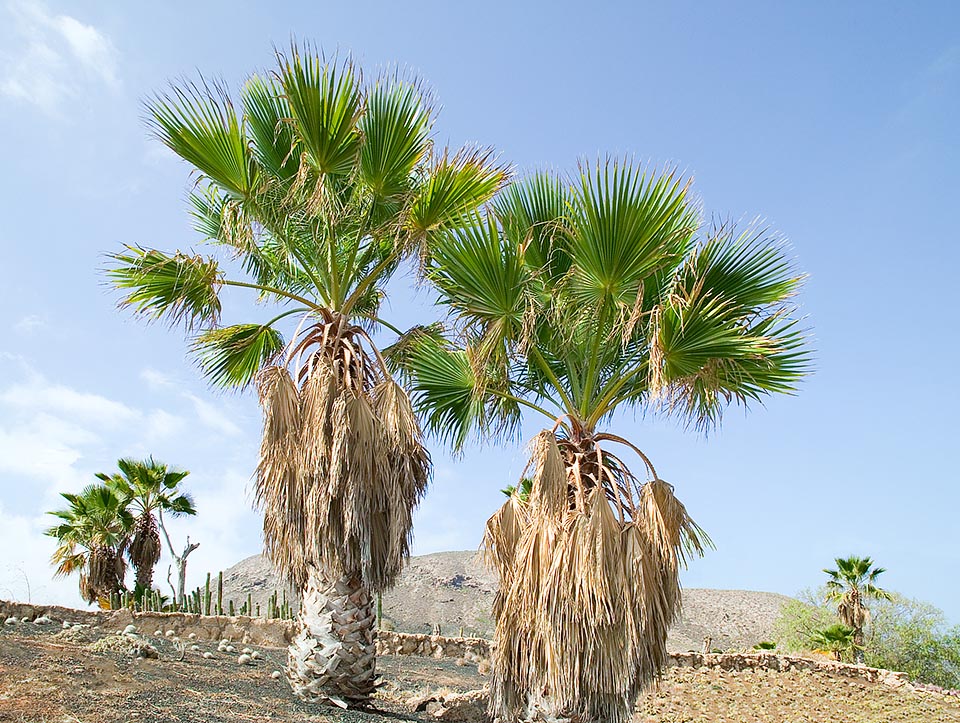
x,y
333,657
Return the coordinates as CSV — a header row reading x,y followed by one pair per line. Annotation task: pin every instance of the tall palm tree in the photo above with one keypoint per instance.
x,y
319,185
146,487
850,586
93,533
573,300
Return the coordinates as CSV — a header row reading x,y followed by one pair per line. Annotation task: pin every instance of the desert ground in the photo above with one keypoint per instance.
x,y
87,675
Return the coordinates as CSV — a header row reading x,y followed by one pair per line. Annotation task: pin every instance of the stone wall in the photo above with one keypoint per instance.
x,y
473,650
256,631
278,633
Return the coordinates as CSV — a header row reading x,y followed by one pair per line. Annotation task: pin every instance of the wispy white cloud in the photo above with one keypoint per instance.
x,y
30,323
47,58
208,414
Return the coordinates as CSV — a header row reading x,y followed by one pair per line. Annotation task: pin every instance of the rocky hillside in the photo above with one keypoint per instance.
x,y
455,590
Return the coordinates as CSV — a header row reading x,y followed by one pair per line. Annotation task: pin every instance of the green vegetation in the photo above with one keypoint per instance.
x,y
850,587
573,299
903,634
837,639
147,488
109,521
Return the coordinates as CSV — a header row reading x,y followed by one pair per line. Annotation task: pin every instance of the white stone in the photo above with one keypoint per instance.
x,y
130,630
193,636
65,625
43,620
170,633
276,675
244,660
247,651
195,648
158,633
24,620
231,649
11,621
208,655
255,655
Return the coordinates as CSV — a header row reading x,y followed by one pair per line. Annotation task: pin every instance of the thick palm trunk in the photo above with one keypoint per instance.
x,y
145,550
333,656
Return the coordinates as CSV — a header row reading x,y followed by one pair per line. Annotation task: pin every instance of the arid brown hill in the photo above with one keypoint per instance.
x,y
455,589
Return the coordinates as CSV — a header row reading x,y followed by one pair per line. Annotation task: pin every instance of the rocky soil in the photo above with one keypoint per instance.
x,y
455,591
87,675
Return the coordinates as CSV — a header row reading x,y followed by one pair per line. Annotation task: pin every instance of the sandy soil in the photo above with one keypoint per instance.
x,y
50,676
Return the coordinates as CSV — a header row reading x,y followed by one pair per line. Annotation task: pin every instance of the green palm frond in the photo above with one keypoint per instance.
x,y
447,390
533,213
395,128
325,101
231,356
200,124
456,186
482,279
267,115
183,289
625,227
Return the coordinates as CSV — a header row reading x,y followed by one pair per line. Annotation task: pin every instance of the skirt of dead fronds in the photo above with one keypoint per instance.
x,y
587,592
341,468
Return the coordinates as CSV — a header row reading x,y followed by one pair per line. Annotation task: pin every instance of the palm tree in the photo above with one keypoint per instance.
x,y
93,533
147,487
850,586
835,639
574,300
319,185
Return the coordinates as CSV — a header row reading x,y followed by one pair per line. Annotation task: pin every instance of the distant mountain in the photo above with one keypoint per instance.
x,y
455,590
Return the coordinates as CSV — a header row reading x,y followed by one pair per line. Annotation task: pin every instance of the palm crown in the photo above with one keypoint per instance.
x,y
575,299
319,185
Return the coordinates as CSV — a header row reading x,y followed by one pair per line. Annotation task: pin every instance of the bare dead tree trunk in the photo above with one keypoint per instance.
x,y
180,561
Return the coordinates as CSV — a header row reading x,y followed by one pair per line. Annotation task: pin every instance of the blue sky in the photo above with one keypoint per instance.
x,y
834,122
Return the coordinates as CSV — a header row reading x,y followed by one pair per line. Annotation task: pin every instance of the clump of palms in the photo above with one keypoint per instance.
x,y
850,586
93,532
836,639
319,184
574,299
145,488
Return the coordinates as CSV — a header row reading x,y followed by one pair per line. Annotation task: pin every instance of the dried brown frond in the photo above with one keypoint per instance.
x,y
589,585
277,480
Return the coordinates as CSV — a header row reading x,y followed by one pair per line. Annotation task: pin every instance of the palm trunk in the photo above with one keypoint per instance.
x,y
333,656
858,655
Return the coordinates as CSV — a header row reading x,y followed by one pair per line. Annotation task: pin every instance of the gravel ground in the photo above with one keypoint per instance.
x,y
51,676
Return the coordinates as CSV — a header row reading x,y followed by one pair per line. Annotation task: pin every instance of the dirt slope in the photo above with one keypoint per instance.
x,y
455,589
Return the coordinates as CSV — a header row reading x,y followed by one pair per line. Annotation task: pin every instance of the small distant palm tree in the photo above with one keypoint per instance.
x,y
836,639
146,487
850,586
93,533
